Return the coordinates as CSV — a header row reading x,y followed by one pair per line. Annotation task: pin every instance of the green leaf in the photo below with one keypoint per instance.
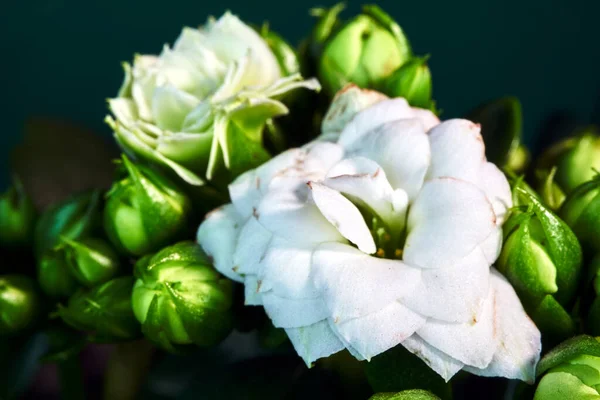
x,y
501,127
406,395
568,350
397,369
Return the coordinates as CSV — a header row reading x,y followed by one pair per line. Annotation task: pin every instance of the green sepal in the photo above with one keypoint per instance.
x,y
77,217
54,274
581,211
568,350
284,53
552,195
413,82
562,385
92,261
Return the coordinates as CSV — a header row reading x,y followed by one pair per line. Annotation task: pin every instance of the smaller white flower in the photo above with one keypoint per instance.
x,y
381,233
200,107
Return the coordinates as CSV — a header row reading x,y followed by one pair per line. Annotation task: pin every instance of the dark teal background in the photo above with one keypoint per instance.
x,y
62,57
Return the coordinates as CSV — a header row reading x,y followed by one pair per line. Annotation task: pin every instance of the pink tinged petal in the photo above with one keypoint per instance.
x,y
247,190
345,105
344,216
472,343
293,313
252,297
427,118
218,236
519,340
402,148
372,117
314,341
438,361
379,331
289,215
457,150
447,220
252,245
365,181
354,284
285,269
455,293
493,182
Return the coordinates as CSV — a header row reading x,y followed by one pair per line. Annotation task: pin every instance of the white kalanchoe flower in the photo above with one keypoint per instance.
x,y
200,107
382,233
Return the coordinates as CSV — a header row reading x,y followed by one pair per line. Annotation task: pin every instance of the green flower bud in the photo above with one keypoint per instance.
x,y
593,319
104,312
91,261
576,159
17,216
54,274
415,394
581,211
552,195
74,218
284,53
542,258
364,51
570,371
181,299
413,82
502,127
19,304
145,211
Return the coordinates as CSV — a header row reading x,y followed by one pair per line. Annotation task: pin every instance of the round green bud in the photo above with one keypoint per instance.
x,y
576,159
19,304
593,318
104,312
17,216
542,258
145,211
54,274
570,371
181,299
413,394
581,211
413,82
77,217
91,261
365,51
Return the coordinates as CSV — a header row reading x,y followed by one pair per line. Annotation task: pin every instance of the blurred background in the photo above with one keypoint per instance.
x,y
61,58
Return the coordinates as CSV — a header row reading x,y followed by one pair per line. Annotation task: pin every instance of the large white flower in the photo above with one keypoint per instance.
x,y
200,107
381,233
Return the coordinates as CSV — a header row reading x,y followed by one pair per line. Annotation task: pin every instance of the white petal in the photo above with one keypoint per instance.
x,y
519,344
372,117
251,247
379,331
293,313
472,343
285,269
314,341
344,216
252,297
492,245
290,216
457,150
354,284
447,220
247,190
170,107
455,293
427,118
345,105
365,181
218,236
438,361
402,149
493,182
